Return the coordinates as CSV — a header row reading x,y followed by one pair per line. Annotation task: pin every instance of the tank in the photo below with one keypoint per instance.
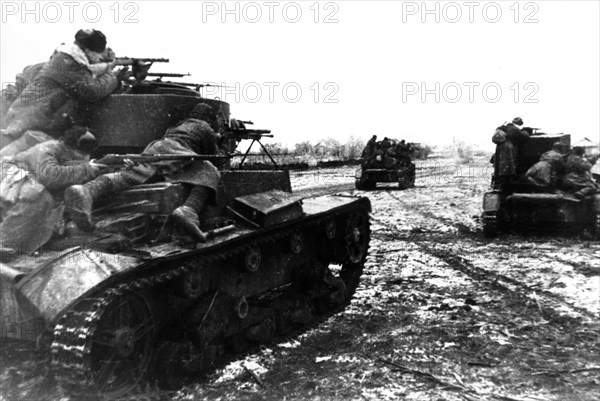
x,y
523,207
379,167
136,302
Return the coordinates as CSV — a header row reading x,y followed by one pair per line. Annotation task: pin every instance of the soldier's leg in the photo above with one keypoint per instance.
x,y
79,199
28,225
186,215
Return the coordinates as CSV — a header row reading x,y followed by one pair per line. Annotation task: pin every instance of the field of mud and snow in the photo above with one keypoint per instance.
x,y
442,313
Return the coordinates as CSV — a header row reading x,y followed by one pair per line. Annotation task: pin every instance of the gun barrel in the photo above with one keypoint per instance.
x,y
134,60
167,74
114,159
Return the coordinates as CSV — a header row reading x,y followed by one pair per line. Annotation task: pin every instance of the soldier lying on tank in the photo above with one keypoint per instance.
x,y
12,92
544,174
32,189
192,136
578,178
76,74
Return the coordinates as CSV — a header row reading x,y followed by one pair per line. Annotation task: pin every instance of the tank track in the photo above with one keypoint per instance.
x,y
71,359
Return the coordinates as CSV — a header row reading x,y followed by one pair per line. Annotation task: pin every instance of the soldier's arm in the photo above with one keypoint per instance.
x,y
79,82
91,89
56,176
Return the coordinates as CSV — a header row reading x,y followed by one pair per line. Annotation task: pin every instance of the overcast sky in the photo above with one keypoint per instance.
x,y
427,72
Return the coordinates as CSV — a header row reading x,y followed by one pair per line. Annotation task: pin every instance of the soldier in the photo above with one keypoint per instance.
x,y
385,144
12,92
578,176
404,151
391,157
190,137
74,74
368,151
32,186
507,138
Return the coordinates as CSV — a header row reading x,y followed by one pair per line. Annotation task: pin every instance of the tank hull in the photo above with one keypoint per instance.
x,y
139,301
367,178
524,207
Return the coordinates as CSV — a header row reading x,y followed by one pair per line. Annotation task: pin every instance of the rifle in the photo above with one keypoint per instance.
x,y
139,66
114,159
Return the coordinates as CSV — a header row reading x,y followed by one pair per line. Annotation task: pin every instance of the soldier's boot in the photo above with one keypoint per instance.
x,y
79,200
187,215
582,193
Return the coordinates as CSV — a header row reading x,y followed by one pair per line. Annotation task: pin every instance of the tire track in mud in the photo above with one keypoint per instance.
x,y
502,282
425,240
443,251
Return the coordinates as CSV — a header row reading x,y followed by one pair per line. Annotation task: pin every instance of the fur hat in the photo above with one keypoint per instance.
x,y
91,39
204,112
517,121
80,138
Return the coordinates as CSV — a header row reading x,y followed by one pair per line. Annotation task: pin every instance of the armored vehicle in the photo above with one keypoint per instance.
x,y
523,206
136,302
382,165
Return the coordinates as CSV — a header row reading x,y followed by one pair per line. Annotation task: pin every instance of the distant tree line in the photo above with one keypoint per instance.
x,y
334,149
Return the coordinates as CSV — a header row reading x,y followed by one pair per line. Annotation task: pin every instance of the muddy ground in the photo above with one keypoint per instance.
x,y
442,313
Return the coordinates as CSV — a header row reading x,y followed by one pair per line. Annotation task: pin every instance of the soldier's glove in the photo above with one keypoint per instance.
x,y
124,75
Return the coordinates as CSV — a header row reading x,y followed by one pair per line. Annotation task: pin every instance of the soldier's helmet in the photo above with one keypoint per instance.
x,y
517,121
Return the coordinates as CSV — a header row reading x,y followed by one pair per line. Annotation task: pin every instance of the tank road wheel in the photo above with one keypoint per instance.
x,y
357,237
105,349
296,243
330,229
490,224
357,244
252,259
191,284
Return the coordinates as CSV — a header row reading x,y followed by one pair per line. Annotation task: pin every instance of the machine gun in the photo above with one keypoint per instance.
x,y
139,66
237,131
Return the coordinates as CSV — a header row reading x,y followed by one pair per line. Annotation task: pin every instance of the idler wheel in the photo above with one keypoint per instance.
x,y
121,346
192,285
330,229
252,259
296,243
241,308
